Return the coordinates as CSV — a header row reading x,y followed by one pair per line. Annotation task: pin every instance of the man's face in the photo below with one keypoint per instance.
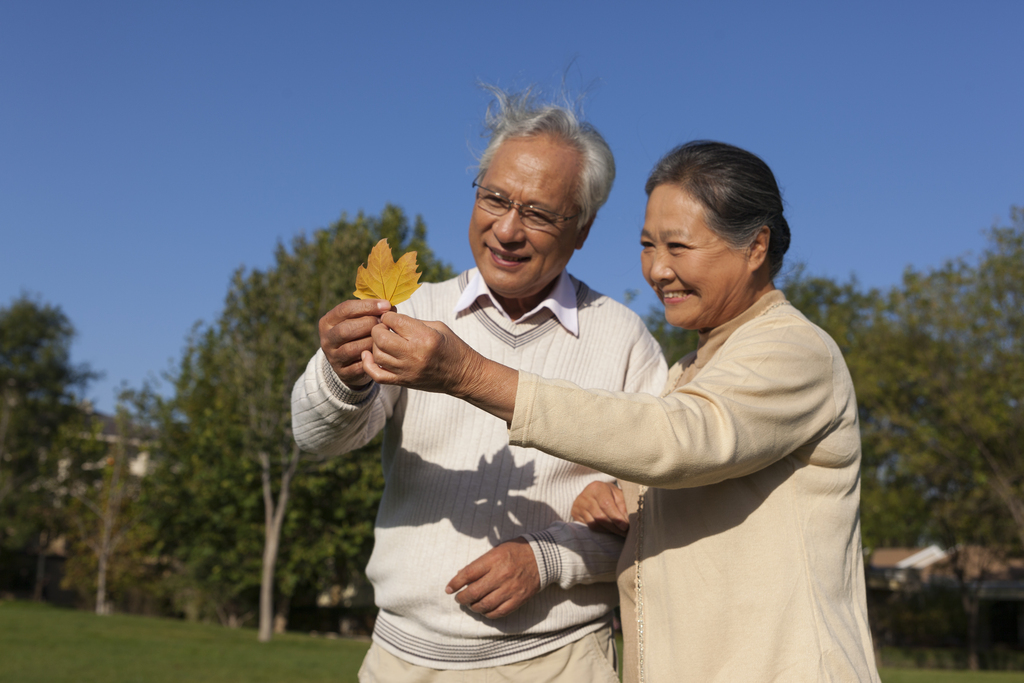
x,y
518,264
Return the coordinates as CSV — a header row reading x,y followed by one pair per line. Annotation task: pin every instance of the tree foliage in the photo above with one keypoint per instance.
x,y
947,390
242,511
103,463
38,384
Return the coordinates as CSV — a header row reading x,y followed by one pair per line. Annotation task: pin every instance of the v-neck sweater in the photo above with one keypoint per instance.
x,y
454,488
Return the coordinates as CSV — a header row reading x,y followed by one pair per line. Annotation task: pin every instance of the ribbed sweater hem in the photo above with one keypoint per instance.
x,y
478,653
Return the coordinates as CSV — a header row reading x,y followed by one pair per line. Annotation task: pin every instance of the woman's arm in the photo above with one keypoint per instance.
x,y
770,390
430,357
773,388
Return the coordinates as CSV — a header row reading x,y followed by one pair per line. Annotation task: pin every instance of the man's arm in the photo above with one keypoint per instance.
x,y
498,582
335,406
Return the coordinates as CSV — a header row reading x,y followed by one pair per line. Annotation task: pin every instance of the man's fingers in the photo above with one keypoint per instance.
x,y
498,582
467,575
352,329
376,372
355,308
492,605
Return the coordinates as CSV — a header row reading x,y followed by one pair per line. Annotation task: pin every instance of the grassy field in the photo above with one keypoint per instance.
x,y
939,676
43,644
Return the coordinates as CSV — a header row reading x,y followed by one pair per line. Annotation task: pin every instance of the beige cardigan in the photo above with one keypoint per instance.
x,y
749,540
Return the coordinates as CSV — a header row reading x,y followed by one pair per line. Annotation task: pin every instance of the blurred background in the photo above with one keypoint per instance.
x,y
185,188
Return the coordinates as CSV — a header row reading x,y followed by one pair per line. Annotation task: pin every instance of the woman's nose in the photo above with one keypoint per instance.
x,y
661,270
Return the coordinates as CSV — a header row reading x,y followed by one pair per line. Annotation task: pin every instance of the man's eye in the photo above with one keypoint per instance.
x,y
492,202
538,216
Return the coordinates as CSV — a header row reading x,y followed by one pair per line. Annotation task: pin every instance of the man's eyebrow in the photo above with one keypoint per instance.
x,y
533,205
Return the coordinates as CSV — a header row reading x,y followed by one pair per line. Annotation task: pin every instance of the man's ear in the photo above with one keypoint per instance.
x,y
757,252
583,233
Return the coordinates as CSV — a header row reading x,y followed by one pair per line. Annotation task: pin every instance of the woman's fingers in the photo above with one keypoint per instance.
x,y
602,507
412,353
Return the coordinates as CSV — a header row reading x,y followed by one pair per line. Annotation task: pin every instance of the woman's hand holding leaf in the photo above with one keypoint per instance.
x,y
430,357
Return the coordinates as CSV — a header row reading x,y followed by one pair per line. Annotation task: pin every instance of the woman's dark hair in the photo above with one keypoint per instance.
x,y
736,188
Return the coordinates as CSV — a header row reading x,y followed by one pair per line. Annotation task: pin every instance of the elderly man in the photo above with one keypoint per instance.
x,y
475,564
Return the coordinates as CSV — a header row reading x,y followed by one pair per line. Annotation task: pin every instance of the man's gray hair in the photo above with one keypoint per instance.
x,y
518,115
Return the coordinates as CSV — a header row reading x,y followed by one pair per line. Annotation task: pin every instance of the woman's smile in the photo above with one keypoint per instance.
x,y
721,282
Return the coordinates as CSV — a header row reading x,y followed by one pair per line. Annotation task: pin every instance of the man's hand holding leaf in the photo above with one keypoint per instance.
x,y
345,330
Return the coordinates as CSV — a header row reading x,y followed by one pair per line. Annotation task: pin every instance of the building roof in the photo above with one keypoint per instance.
x,y
906,558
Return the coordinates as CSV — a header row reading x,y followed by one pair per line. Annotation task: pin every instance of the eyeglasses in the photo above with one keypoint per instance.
x,y
532,218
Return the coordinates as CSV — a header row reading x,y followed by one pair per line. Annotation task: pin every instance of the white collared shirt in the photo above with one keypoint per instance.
x,y
561,301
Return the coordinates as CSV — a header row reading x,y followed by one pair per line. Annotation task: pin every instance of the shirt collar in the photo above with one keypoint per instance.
x,y
561,301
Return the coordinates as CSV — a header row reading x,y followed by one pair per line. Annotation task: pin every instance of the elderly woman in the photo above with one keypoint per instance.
x,y
743,559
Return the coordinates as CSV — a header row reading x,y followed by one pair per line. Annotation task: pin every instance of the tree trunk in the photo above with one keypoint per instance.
x,y
274,517
272,535
972,606
281,618
37,591
101,583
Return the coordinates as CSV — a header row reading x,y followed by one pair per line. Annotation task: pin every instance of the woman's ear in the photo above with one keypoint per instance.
x,y
757,252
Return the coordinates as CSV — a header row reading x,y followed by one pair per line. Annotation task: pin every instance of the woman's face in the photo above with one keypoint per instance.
x,y
700,279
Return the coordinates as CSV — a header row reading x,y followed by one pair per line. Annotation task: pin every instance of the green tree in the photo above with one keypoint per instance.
x,y
946,400
102,473
253,492
38,384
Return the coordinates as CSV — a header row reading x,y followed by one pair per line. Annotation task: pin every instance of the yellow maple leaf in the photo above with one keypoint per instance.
x,y
383,278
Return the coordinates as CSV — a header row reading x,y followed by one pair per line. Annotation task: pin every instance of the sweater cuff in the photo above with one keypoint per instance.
x,y
549,561
341,391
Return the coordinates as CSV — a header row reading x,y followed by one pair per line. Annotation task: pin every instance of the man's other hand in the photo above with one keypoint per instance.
x,y
498,582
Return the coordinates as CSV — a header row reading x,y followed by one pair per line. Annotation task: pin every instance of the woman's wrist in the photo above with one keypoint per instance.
x,y
488,385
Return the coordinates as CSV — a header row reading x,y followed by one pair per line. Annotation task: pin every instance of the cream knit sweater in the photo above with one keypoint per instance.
x,y
454,488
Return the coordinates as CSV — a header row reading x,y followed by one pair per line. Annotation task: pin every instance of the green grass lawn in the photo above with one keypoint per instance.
x,y
43,644
940,676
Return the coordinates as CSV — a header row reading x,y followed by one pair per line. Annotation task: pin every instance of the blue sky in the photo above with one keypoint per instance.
x,y
148,149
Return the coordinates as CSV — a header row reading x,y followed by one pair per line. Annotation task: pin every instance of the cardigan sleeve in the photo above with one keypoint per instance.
x,y
777,385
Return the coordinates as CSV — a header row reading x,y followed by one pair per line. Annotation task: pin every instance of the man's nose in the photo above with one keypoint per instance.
x,y
509,227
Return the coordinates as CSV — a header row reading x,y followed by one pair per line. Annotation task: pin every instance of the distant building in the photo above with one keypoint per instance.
x,y
997,581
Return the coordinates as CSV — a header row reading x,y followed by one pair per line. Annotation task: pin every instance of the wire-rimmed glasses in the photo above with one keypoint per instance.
x,y
532,218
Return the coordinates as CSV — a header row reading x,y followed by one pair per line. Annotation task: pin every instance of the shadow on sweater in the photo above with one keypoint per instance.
x,y
485,502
